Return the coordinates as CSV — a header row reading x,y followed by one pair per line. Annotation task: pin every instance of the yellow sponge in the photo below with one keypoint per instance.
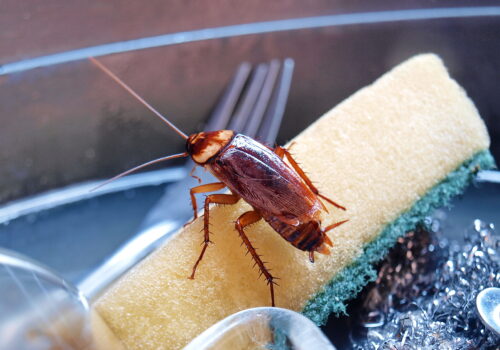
x,y
378,153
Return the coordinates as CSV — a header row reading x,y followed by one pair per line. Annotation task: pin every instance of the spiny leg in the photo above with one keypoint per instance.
x,y
203,189
244,220
283,152
217,199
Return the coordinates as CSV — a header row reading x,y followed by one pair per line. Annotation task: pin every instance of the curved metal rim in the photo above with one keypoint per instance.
x,y
489,317
249,29
82,191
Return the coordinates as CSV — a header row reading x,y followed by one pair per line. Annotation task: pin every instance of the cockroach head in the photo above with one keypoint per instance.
x,y
204,145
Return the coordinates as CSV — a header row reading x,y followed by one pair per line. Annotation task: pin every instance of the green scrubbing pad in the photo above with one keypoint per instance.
x,y
349,282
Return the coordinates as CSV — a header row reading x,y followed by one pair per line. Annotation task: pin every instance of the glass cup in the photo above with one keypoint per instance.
x,y
38,309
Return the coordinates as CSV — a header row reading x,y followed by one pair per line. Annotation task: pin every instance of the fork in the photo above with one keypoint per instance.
x,y
252,104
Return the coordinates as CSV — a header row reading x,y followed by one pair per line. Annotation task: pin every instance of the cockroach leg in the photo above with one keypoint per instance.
x,y
191,173
244,220
311,256
217,199
290,146
203,189
283,152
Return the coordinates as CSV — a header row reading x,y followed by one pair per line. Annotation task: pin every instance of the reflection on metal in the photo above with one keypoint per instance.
x,y
126,256
248,29
78,192
492,176
488,308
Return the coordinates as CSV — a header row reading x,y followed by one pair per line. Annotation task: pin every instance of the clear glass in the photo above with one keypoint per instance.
x,y
262,328
38,309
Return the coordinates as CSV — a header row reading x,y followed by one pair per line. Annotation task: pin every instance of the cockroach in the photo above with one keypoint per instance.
x,y
278,192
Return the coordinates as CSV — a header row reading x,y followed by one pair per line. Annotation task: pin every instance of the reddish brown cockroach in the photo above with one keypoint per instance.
x,y
279,193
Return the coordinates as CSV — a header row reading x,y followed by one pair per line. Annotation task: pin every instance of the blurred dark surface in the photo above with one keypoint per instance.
x,y
67,123
33,28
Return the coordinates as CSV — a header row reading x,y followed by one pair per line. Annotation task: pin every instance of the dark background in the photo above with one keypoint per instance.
x,y
69,122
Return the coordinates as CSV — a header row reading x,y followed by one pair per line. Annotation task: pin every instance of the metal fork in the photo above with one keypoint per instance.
x,y
253,104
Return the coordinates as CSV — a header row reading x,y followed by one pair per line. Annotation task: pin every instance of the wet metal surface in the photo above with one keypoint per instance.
x,y
68,123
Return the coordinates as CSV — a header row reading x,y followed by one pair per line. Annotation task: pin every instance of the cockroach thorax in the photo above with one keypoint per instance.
x,y
204,145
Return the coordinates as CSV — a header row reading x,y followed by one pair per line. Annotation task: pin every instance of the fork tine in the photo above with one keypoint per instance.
x,y
248,100
219,118
270,125
255,118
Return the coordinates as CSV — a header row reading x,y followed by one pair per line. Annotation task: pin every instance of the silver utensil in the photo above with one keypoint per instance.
x,y
488,308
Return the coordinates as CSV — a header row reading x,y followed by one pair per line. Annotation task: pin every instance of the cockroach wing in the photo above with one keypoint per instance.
x,y
263,180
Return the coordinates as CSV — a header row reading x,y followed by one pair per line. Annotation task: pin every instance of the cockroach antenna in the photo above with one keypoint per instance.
x,y
179,155
152,109
133,93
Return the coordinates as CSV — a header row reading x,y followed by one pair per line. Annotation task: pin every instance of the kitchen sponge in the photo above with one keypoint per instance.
x,y
391,153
